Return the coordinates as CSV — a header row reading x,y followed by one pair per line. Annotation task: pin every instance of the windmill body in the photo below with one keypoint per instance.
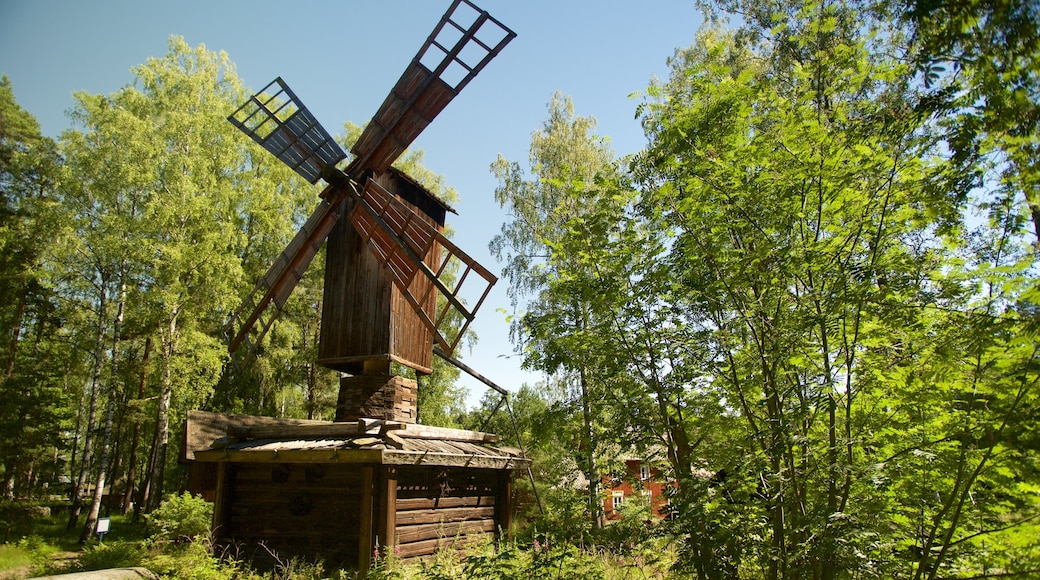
x,y
393,282
365,318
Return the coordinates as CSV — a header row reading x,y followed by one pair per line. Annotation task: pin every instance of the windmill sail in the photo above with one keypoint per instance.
x,y
462,44
277,120
254,317
402,241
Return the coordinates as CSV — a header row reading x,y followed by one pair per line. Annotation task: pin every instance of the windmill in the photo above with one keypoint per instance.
x,y
387,259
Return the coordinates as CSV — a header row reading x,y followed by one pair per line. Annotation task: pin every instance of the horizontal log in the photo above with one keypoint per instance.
x,y
416,431
436,516
395,457
425,503
416,533
428,547
318,430
292,456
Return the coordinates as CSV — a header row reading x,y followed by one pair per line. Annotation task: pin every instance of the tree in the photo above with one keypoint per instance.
x,y
810,240
157,183
31,390
566,158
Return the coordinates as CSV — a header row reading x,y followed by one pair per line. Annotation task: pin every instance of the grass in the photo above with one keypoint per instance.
x,y
13,556
46,547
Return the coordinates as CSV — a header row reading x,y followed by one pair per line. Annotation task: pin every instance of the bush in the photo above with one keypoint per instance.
x,y
181,518
111,555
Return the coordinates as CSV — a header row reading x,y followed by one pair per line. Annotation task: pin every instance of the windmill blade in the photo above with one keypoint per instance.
x,y
277,120
254,317
403,240
462,44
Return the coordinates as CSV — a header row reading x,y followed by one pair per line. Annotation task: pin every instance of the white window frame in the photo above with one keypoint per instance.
x,y
644,471
618,500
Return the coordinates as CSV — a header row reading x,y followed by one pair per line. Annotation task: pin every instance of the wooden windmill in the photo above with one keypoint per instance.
x,y
387,259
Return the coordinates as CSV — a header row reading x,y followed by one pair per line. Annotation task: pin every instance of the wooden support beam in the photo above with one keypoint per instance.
x,y
366,531
220,498
386,527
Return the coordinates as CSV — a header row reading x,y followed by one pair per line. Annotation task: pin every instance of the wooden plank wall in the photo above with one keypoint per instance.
x,y
363,315
438,508
295,509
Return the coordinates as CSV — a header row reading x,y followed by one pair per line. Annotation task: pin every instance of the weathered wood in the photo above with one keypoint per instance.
x,y
436,516
428,547
504,502
397,457
293,456
364,315
294,509
379,395
428,432
424,503
349,429
365,527
220,503
387,515
421,532
203,428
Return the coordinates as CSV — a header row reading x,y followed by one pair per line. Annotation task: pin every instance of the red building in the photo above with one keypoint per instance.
x,y
642,482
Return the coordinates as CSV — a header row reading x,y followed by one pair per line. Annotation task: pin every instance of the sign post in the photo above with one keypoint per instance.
x,y
102,528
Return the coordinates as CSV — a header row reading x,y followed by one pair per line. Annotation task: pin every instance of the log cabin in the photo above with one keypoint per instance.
x,y
346,491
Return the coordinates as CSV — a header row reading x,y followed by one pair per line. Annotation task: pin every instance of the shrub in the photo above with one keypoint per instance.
x,y
181,518
111,555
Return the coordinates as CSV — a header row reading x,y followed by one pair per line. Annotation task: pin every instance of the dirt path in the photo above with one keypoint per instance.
x,y
61,559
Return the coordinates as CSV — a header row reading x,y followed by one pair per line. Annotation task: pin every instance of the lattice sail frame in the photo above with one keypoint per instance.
x,y
402,240
277,120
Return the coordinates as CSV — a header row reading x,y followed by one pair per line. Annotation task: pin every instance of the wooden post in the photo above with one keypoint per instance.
x,y
365,531
220,498
387,518
504,503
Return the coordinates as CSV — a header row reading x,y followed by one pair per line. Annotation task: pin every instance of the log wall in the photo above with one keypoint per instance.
x,y
438,508
293,510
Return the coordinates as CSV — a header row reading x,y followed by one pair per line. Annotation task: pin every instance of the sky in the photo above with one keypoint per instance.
x,y
341,58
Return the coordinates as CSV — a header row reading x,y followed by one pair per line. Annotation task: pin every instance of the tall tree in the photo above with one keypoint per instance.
x,y
566,158
811,241
29,212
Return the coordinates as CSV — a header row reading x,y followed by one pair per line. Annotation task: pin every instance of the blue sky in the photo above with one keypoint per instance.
x,y
342,58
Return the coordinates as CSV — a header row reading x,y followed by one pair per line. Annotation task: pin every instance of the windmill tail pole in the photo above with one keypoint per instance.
x,y
512,418
462,366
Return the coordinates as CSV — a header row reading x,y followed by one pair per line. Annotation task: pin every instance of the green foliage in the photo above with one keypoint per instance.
x,y
180,518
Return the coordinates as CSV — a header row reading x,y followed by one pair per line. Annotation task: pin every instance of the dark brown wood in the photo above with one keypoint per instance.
x,y
366,538
435,516
387,516
504,502
428,547
423,503
295,509
364,317
377,396
422,532
220,500
202,429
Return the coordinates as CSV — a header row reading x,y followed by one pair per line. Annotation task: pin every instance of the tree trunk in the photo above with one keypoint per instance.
x,y
16,331
131,467
162,420
88,437
595,505
106,443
